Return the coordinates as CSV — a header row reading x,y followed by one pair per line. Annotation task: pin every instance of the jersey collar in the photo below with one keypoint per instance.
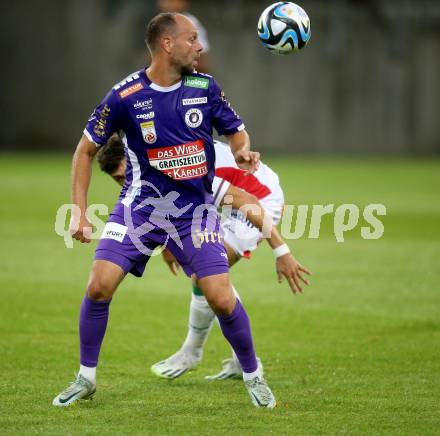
x,y
159,88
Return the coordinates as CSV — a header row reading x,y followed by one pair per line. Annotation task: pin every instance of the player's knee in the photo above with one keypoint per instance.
x,y
98,289
222,304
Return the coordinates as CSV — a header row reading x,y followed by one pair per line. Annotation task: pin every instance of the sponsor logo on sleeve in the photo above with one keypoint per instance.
x,y
99,129
114,231
191,101
148,116
196,82
180,162
131,90
193,117
149,132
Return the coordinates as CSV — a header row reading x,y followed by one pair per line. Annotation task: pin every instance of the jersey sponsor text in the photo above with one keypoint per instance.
x,y
180,162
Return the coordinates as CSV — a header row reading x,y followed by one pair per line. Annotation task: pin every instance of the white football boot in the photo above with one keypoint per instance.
x,y
176,365
260,393
80,389
231,369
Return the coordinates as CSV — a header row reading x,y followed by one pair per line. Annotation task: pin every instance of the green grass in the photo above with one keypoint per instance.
x,y
358,353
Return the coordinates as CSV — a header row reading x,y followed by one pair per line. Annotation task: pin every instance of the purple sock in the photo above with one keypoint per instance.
x,y
93,319
237,330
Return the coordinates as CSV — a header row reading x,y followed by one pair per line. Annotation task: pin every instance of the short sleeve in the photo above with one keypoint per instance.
x,y
219,188
104,121
225,119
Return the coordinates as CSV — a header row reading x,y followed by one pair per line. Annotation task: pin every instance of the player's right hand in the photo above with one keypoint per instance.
x,y
247,160
81,229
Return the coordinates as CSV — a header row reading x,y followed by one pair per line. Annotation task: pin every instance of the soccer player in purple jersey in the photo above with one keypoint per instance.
x,y
165,115
242,235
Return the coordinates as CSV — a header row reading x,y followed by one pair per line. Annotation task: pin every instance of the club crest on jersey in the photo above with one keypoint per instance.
x,y
193,117
149,132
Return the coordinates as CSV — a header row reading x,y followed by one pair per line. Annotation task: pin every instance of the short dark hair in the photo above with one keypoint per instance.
x,y
158,25
111,154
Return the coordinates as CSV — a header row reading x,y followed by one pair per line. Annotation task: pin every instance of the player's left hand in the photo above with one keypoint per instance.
x,y
171,261
288,267
248,160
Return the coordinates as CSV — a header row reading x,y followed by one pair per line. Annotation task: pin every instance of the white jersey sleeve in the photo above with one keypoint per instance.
x,y
263,184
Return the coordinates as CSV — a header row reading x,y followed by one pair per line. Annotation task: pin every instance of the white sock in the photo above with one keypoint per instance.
x,y
201,317
88,373
250,375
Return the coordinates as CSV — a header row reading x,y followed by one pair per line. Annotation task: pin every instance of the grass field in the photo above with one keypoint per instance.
x,y
358,353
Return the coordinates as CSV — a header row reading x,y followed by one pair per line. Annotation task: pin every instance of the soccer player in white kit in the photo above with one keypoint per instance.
x,y
231,187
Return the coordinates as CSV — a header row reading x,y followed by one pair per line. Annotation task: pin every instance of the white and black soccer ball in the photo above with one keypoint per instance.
x,y
284,27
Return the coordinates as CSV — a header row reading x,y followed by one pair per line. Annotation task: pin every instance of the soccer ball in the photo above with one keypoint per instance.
x,y
284,27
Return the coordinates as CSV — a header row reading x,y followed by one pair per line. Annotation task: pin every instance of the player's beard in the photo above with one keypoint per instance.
x,y
185,69
182,68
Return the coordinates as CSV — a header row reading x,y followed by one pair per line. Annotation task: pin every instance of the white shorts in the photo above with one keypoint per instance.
x,y
239,233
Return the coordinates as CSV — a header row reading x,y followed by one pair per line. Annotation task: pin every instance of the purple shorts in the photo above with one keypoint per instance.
x,y
129,239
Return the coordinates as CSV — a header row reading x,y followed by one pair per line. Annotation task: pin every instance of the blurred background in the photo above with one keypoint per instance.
x,y
368,82
354,118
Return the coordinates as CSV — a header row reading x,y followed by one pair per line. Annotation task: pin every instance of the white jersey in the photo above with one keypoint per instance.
x,y
263,184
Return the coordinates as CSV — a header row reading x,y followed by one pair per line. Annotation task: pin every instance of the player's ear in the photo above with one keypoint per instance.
x,y
167,44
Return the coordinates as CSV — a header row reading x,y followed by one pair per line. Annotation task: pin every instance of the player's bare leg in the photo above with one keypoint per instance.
x,y
103,282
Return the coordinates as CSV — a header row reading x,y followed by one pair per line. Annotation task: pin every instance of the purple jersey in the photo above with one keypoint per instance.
x,y
167,133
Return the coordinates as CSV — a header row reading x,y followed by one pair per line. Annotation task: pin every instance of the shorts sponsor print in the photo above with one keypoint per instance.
x,y
180,162
114,231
